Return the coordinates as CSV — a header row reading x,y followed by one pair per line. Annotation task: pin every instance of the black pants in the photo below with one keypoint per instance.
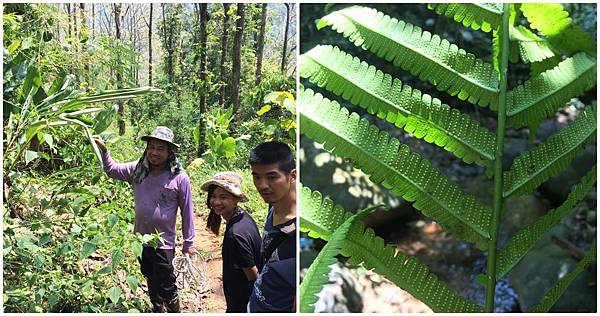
x,y
157,267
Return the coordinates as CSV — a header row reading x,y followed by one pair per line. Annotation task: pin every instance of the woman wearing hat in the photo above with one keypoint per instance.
x,y
242,242
160,187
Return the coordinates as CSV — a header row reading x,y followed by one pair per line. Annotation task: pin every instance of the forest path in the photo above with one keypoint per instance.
x,y
209,246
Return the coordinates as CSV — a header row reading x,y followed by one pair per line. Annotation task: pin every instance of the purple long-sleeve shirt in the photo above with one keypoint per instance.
x,y
156,201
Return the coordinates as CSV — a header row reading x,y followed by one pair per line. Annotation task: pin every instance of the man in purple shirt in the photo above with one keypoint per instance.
x,y
160,186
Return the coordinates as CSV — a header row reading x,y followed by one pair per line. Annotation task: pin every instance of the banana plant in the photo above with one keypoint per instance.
x,y
36,112
563,63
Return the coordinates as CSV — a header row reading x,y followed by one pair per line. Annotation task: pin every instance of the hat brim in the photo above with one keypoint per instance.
x,y
147,137
234,191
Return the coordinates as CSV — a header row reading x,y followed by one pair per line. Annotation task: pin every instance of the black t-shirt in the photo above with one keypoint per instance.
x,y
279,241
241,249
275,287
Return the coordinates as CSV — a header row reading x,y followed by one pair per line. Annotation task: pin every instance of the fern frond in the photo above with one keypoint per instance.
x,y
425,55
420,114
484,16
319,217
540,97
538,67
531,47
388,162
520,244
552,21
406,272
317,274
537,165
560,288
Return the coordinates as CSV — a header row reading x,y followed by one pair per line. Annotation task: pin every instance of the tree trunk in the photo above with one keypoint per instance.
x,y
237,58
285,36
121,110
68,6
81,30
223,53
202,76
150,48
75,29
260,44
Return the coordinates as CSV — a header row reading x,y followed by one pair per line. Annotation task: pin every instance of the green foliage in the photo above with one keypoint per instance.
x,y
358,138
537,165
426,56
484,16
388,162
407,108
518,246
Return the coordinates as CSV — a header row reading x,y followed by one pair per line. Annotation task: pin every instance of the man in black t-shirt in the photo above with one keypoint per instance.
x,y
274,175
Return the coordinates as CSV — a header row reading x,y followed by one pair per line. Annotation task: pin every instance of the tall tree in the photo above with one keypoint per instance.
x,y
68,8
237,58
121,110
203,8
285,36
223,53
260,44
150,47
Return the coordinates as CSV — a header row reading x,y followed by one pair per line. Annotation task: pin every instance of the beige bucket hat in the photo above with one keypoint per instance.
x,y
230,181
162,133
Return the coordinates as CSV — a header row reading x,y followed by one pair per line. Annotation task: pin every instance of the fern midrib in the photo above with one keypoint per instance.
x,y
548,96
487,156
464,77
549,164
481,233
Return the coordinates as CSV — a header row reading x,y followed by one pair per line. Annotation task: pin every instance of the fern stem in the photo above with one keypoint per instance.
x,y
498,200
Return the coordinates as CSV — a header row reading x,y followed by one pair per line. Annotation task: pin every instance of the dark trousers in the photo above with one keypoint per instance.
x,y
157,267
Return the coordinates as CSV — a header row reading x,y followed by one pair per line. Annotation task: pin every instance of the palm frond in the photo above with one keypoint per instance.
x,y
518,246
388,162
319,216
380,94
540,97
537,165
425,55
560,288
406,272
552,21
484,16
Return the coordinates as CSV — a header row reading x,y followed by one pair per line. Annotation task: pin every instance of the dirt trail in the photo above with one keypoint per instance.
x,y
212,301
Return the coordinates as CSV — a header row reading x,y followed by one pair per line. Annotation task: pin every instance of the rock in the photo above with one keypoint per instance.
x,y
358,290
542,267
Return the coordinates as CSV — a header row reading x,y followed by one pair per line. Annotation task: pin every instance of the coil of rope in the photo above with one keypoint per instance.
x,y
189,277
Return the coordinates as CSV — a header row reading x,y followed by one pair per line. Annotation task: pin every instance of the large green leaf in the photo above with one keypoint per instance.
x,y
518,246
393,165
318,272
537,165
540,97
554,22
484,16
427,56
552,296
319,217
406,272
420,114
